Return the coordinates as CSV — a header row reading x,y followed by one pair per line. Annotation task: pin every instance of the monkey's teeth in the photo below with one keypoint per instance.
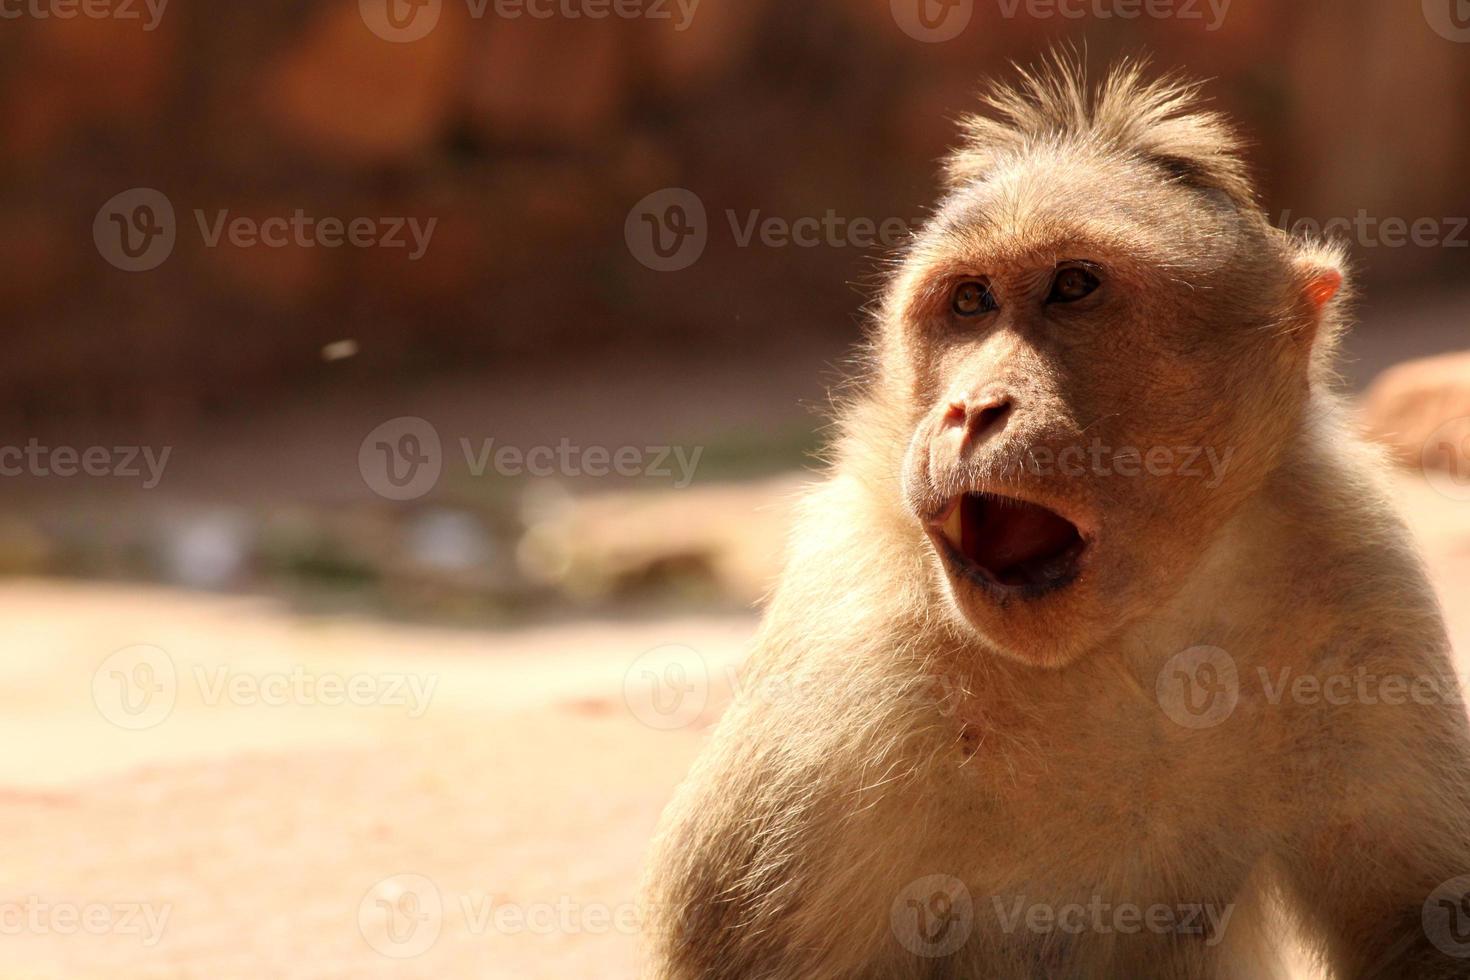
x,y
954,527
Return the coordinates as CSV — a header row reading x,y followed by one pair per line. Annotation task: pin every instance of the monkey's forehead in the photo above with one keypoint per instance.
x,y
1047,207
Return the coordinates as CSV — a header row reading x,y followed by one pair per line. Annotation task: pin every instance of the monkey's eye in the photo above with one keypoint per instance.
x,y
972,299
1071,284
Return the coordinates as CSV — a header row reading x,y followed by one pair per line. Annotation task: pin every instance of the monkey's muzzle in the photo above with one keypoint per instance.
x,y
1006,542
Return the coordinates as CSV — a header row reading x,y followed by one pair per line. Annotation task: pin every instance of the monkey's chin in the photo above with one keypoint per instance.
x,y
1013,567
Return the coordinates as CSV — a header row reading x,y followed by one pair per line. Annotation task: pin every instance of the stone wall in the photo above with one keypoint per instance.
x,y
528,140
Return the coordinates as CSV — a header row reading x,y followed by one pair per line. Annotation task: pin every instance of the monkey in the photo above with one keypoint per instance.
x,y
1056,700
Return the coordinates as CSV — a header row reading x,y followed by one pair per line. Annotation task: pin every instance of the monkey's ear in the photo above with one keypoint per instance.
x,y
1320,272
1322,285
1319,275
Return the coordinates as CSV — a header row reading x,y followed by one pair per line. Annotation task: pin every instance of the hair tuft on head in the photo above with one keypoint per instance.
x,y
1160,122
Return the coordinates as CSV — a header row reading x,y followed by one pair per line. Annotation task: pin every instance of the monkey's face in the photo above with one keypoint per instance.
x,y
1082,385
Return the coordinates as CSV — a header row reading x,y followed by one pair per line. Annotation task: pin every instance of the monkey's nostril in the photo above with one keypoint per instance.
x,y
976,418
986,418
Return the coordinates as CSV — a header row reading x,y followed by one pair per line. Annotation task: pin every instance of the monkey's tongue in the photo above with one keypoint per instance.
x,y
1017,542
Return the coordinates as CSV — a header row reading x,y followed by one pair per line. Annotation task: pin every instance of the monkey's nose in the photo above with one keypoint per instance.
x,y
979,416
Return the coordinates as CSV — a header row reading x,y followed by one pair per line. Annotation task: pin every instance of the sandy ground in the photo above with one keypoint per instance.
x,y
190,798
260,826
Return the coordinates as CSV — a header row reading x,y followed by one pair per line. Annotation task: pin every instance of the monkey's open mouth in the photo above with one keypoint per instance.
x,y
1009,542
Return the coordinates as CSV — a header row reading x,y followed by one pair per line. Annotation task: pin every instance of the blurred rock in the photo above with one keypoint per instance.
x,y
84,71
208,550
350,96
24,548
716,37
448,541
452,263
283,275
334,548
35,255
724,542
1409,403
548,80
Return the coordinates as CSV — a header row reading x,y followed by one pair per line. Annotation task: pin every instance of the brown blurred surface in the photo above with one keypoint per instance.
x,y
528,141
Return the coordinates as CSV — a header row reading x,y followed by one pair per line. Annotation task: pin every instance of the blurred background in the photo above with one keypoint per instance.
x,y
403,400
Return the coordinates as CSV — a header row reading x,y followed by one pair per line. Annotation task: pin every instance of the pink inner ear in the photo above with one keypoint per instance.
x,y
1323,286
